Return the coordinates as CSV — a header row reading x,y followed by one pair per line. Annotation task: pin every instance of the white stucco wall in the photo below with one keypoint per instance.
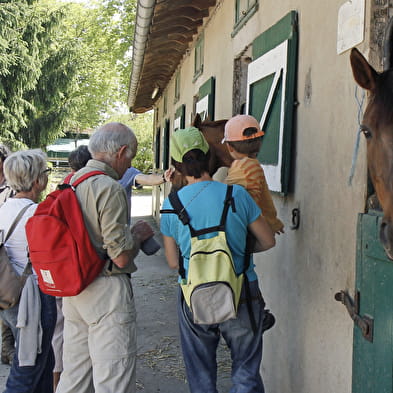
x,y
310,348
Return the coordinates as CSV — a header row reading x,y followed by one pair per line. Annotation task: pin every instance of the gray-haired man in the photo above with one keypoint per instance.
x,y
99,323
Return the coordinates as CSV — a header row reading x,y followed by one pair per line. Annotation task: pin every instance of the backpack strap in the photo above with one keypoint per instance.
x,y
67,180
229,201
179,209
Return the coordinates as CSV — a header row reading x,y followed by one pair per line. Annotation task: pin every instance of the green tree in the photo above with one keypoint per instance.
x,y
62,66
21,33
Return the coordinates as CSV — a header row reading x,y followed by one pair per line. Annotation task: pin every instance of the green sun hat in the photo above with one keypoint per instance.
x,y
182,141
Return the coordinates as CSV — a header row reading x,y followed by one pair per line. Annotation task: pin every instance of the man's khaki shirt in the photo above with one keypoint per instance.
x,y
103,203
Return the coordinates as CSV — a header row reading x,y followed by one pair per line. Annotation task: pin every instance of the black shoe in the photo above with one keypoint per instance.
x,y
268,321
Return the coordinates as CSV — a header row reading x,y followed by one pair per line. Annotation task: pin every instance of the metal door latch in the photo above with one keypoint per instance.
x,y
365,323
295,218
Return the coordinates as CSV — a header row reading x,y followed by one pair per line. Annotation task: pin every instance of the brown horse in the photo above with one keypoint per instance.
x,y
213,131
377,127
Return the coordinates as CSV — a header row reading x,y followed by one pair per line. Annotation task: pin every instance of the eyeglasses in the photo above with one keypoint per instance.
x,y
47,171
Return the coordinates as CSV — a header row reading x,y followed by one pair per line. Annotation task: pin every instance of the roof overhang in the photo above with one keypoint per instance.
x,y
164,30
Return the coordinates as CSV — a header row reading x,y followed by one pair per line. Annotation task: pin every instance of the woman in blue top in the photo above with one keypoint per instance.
x,y
203,199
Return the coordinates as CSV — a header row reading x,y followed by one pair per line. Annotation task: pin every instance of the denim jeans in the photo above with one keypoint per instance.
x,y
38,378
199,345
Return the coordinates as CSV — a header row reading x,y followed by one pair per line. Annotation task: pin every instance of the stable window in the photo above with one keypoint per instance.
x,y
177,87
198,61
205,101
165,104
244,9
180,118
271,97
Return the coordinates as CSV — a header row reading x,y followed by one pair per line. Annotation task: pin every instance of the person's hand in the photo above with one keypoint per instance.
x,y
142,231
168,174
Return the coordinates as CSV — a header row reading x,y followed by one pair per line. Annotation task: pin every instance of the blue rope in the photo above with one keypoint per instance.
x,y
360,103
354,156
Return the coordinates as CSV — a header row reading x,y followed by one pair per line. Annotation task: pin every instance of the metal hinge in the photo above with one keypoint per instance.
x,y
365,323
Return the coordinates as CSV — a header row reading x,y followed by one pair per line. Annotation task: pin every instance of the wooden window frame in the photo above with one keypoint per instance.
x,y
242,16
180,118
206,99
199,57
177,87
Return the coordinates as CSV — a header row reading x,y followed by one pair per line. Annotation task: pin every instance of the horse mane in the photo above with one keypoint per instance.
x,y
198,123
213,123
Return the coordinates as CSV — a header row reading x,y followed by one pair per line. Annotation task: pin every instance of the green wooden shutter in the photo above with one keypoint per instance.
x,y
180,118
157,148
271,97
165,157
206,98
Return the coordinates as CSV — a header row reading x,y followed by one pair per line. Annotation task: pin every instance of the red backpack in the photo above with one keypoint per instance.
x,y
60,249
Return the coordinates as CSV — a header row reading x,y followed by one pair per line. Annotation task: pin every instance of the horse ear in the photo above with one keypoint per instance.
x,y
197,121
364,74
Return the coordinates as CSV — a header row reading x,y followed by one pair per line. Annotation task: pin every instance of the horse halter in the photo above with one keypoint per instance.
x,y
362,128
367,133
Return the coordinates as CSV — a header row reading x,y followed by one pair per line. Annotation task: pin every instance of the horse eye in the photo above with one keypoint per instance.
x,y
366,132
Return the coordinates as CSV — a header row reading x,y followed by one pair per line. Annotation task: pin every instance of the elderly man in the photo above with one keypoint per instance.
x,y
99,323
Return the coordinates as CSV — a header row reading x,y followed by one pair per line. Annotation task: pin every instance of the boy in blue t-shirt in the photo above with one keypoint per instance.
x,y
203,200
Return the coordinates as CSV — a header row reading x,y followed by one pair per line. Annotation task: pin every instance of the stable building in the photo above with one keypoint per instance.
x,y
287,64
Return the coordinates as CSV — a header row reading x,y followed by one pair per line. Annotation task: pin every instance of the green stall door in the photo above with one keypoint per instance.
x,y
373,361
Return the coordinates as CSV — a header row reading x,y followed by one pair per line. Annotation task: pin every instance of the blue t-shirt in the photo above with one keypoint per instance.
x,y
204,202
128,181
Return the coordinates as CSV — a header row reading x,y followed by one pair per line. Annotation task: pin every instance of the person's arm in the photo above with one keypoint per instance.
x,y
171,252
153,179
149,180
263,234
124,258
141,231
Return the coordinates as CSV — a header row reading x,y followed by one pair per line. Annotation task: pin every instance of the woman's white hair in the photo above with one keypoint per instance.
x,y
23,168
109,138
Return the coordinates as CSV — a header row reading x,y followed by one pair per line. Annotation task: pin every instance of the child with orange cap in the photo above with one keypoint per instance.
x,y
243,138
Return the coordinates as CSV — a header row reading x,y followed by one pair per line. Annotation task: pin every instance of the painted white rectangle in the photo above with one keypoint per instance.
x,y
273,62
176,123
350,26
202,107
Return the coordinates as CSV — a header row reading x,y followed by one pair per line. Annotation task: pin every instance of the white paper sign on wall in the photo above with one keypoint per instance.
x,y
350,29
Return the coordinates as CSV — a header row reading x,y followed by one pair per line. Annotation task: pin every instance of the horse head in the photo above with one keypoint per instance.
x,y
377,127
213,132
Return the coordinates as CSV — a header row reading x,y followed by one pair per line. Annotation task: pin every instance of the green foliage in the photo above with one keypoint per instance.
x,y
63,66
20,64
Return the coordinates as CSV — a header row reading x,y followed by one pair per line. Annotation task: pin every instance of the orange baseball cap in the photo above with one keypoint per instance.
x,y
239,128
